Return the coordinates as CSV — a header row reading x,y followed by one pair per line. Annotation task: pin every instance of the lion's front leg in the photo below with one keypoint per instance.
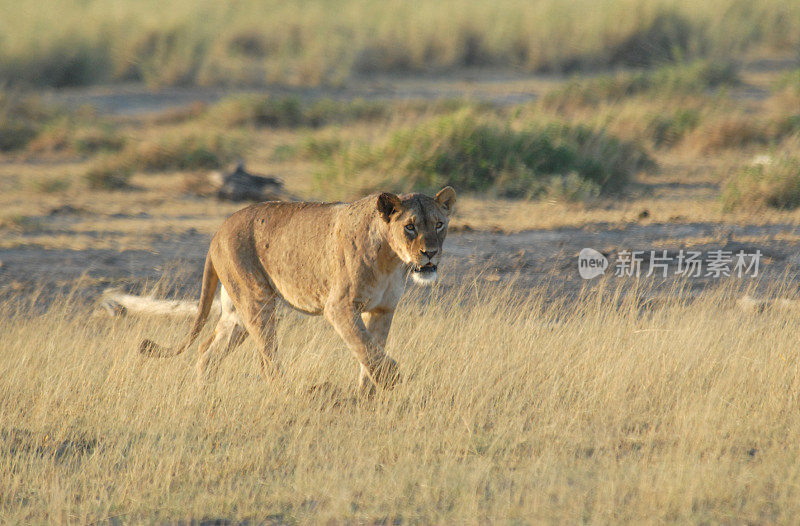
x,y
378,323
378,368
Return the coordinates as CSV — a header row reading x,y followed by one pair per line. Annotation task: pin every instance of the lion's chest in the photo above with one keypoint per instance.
x,y
382,295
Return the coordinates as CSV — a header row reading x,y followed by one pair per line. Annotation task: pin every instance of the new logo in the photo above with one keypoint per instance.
x,y
591,263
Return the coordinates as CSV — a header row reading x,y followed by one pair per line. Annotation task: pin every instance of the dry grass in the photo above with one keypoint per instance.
x,y
514,409
518,407
664,82
775,183
251,42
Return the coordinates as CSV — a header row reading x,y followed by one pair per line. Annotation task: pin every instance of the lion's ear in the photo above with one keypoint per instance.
x,y
388,204
446,198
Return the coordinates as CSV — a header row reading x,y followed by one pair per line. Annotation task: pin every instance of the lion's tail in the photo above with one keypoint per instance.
x,y
210,281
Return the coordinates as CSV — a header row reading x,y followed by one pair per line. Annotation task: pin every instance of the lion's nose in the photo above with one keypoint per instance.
x,y
429,253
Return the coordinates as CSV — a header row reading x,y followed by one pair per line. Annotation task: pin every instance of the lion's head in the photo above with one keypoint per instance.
x,y
417,227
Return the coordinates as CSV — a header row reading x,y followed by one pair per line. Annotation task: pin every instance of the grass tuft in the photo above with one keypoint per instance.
x,y
478,154
71,136
742,131
669,37
665,81
669,129
771,184
52,185
109,174
182,152
291,112
789,83
22,117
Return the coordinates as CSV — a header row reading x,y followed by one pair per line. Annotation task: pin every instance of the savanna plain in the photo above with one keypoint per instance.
x,y
530,395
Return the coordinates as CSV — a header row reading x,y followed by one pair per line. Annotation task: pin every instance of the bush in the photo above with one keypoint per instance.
x,y
730,132
109,174
785,126
77,138
258,112
571,187
59,62
742,131
290,112
171,55
672,80
789,83
52,185
669,37
16,135
21,120
774,184
668,130
87,141
319,148
207,151
480,155
27,123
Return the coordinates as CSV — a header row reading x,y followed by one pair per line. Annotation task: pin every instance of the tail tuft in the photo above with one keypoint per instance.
x,y
151,349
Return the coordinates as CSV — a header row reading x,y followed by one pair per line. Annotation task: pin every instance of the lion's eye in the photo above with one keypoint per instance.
x,y
439,225
410,227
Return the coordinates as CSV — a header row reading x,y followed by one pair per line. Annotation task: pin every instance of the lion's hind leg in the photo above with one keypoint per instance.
x,y
255,301
260,321
262,325
228,334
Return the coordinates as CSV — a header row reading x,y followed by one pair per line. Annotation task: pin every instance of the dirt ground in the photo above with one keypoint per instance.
x,y
542,258
66,239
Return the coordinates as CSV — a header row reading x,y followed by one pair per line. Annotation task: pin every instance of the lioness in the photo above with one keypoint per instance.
x,y
345,260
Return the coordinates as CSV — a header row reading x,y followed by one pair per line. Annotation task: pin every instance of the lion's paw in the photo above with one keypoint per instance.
x,y
386,373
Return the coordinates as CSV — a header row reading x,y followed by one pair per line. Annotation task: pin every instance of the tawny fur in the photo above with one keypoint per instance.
x,y
346,261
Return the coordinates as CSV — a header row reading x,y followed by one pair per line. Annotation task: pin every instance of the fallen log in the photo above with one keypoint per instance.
x,y
240,185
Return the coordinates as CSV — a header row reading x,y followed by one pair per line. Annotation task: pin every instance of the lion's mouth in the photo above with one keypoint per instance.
x,y
424,269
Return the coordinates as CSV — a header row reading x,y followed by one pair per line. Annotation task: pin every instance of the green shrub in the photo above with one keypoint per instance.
x,y
170,55
21,119
109,174
27,123
16,135
775,184
789,83
669,37
188,152
668,130
670,80
480,155
52,185
71,135
59,62
258,112
320,149
741,131
88,141
291,112
785,126
570,187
